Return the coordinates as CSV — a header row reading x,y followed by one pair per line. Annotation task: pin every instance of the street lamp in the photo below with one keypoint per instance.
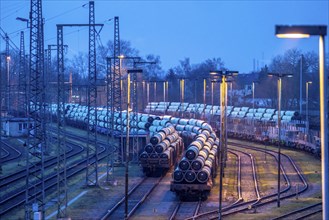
x,y
231,91
212,96
301,85
253,104
223,137
155,91
182,93
280,76
129,72
305,31
204,90
307,121
148,94
8,58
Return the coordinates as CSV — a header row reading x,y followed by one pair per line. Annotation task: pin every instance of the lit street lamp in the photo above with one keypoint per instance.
x,y
307,121
253,104
305,31
204,90
182,93
8,83
223,136
280,76
212,96
129,72
301,85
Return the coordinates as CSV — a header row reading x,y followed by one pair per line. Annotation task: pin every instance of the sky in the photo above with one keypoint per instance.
x,y
241,32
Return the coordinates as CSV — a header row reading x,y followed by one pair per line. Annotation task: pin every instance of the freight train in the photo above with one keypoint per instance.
x,y
253,124
195,172
195,165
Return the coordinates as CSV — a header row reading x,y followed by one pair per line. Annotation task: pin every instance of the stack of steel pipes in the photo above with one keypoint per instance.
x,y
163,147
199,163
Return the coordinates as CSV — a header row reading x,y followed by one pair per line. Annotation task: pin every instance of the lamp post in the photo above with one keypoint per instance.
x,y
182,90
204,90
148,95
129,72
164,91
280,76
253,104
1,112
231,93
301,85
143,95
8,58
223,142
305,31
307,121
155,91
212,96
195,108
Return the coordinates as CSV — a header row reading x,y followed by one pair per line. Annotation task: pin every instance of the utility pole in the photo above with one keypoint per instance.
x,y
0,115
8,73
115,96
92,160
22,80
115,150
61,137
36,145
92,149
301,86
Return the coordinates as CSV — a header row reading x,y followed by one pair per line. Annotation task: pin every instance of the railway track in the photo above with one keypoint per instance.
x,y
10,153
302,213
136,196
50,163
239,199
288,165
249,182
4,153
18,197
184,210
207,213
290,172
245,206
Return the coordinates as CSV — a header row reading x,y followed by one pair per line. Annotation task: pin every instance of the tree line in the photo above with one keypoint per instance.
x,y
293,61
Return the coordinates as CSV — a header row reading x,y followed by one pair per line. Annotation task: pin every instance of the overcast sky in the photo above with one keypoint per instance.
x,y
237,31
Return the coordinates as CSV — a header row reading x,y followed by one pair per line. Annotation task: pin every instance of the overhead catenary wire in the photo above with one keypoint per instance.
x,y
46,20
64,13
11,43
12,11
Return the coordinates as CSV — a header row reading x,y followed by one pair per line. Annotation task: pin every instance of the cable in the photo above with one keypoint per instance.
x,y
11,43
63,13
19,30
69,33
11,12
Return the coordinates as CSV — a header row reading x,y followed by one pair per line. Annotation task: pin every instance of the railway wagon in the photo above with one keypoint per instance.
x,y
162,152
192,191
195,172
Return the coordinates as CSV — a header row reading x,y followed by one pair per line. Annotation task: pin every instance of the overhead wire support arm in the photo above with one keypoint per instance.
x,y
92,162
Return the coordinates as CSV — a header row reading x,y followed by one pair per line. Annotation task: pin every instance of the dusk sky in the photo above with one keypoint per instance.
x,y
236,31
